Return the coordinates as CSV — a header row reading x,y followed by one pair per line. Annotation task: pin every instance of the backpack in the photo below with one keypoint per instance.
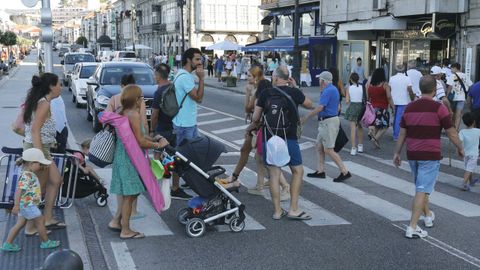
x,y
276,112
168,102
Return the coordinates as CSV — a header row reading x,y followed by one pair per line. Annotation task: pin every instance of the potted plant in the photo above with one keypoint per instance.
x,y
230,80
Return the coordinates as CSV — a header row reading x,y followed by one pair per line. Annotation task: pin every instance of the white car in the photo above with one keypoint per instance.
x,y
81,72
124,56
104,56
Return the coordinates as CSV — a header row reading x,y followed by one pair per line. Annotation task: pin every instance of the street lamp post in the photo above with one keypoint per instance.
x,y
182,3
134,18
116,30
296,50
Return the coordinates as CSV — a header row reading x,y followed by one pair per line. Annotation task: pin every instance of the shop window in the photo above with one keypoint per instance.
x,y
284,26
321,56
306,24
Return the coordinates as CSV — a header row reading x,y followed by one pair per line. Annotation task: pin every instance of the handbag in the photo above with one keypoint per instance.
x,y
18,126
341,140
102,147
368,116
165,188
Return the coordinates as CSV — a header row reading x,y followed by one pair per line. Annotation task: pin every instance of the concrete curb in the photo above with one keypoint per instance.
x,y
225,88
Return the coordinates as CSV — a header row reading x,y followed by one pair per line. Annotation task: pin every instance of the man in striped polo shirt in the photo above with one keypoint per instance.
x,y
421,127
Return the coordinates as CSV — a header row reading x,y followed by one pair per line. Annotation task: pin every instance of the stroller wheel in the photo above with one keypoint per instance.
x,y
195,227
102,201
236,225
182,215
96,195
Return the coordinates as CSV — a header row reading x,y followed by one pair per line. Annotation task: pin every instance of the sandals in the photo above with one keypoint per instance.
x,y
56,226
36,233
301,216
10,247
284,213
136,235
49,244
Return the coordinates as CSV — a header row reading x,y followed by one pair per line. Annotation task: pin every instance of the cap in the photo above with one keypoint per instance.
x,y
325,75
435,70
35,155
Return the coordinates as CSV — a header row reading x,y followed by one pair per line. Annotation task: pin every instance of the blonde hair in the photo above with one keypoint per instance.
x,y
257,73
129,96
86,143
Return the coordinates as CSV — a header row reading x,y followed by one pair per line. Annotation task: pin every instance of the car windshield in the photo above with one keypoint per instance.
x,y
77,58
113,75
64,49
126,55
87,71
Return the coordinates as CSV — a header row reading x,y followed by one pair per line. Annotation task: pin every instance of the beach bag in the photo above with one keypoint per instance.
x,y
102,147
368,116
159,170
168,102
18,126
277,152
341,140
165,188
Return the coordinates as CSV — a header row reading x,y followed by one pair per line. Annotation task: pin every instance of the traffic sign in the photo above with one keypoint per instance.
x,y
30,3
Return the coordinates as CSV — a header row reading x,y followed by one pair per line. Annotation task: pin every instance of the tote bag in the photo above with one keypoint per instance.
x,y
368,116
102,148
341,140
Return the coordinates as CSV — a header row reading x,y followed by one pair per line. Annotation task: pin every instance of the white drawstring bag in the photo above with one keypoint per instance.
x,y
166,193
277,152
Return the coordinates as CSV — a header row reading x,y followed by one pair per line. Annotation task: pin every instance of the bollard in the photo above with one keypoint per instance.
x,y
63,260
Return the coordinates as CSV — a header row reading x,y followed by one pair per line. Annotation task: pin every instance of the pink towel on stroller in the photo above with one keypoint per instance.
x,y
125,133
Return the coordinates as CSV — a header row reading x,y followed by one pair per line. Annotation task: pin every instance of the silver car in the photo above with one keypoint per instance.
x,y
69,62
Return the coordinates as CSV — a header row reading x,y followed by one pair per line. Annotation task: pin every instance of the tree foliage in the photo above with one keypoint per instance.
x,y
82,41
8,38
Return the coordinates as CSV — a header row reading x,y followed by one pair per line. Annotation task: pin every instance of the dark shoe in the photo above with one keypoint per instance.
x,y
342,177
185,186
316,175
179,194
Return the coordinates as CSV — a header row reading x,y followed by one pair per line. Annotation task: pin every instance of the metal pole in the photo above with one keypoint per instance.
x,y
47,46
182,3
296,50
134,17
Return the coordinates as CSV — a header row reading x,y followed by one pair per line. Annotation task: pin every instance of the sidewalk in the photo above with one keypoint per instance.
x,y
13,89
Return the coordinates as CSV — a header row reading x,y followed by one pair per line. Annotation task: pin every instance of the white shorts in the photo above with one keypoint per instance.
x,y
470,163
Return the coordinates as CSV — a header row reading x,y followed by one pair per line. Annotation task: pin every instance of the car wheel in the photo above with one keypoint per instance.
x,y
78,105
95,123
89,116
73,98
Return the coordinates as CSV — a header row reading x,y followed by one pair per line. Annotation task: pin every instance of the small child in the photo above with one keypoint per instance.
x,y
470,138
27,199
86,169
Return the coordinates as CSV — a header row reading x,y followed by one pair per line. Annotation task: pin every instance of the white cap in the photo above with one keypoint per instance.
x,y
35,155
436,70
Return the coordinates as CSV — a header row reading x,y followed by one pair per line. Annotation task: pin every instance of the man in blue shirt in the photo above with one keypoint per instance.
x,y
185,122
328,127
473,100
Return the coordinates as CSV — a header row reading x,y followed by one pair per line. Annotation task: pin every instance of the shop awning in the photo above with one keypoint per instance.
x,y
275,45
380,23
267,20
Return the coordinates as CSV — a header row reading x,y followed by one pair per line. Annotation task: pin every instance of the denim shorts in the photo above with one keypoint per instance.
x,y
30,212
425,174
293,151
185,133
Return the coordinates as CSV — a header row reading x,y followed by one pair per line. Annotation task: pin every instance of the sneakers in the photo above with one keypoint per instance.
x,y
466,187
10,247
256,191
285,194
316,174
185,185
415,233
179,194
360,148
342,177
473,182
429,220
49,244
353,152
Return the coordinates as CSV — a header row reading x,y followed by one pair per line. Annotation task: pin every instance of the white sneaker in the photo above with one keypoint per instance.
x,y
429,220
353,152
415,233
285,194
360,148
256,191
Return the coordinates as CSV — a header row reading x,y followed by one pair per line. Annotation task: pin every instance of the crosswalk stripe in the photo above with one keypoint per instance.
x,y
151,225
250,225
206,114
459,164
230,154
458,206
122,255
227,130
216,121
373,203
239,142
320,216
306,145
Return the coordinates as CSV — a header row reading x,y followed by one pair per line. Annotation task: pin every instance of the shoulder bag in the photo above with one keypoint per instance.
x,y
102,147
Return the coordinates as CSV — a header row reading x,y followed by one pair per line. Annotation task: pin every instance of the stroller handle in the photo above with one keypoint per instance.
x,y
170,150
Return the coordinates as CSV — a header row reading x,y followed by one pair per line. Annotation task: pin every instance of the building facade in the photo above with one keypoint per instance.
x,y
386,33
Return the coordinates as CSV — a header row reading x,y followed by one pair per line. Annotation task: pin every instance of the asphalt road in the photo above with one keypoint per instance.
x,y
358,224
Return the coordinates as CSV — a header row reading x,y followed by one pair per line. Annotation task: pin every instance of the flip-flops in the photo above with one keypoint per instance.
x,y
114,229
301,216
284,213
138,215
49,244
36,233
56,226
136,235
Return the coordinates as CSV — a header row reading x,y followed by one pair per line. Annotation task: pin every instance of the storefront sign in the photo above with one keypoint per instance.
x,y
441,25
468,62
444,24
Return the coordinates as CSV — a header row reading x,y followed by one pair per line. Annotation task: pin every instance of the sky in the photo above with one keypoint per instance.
x,y
17,4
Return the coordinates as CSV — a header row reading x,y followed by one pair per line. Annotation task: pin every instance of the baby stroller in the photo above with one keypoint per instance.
x,y
215,205
85,184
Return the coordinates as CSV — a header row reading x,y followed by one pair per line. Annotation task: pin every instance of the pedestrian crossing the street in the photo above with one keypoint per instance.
x,y
229,130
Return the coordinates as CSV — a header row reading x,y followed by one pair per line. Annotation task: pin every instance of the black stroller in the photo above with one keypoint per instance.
x,y
85,184
215,204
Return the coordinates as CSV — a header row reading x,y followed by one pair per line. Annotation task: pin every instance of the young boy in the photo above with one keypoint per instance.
x,y
27,199
470,138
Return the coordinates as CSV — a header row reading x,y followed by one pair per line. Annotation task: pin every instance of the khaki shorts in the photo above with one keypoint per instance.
x,y
328,131
45,149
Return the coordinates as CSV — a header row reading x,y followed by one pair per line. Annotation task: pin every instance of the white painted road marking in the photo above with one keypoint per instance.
x,y
227,130
216,121
122,256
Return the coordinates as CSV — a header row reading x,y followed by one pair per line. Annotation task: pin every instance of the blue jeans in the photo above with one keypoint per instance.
x,y
185,133
399,109
425,173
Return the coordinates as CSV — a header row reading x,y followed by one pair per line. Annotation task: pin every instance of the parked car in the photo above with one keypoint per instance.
x,y
62,51
104,56
105,83
78,86
124,56
69,62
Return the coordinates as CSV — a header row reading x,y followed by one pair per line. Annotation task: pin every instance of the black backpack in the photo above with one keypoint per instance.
x,y
276,112
168,102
